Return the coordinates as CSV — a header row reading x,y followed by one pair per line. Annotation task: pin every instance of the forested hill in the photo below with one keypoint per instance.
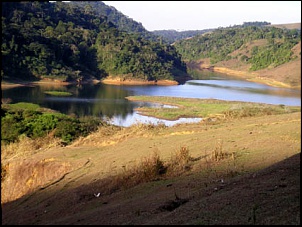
x,y
62,41
170,36
270,46
121,21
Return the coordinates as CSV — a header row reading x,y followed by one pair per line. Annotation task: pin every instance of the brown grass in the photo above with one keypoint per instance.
x,y
27,146
139,175
151,168
286,26
218,153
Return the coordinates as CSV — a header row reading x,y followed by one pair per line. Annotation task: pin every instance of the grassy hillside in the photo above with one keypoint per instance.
x,y
270,55
239,168
284,75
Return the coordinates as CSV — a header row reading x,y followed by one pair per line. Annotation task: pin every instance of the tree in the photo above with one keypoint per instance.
x,y
61,28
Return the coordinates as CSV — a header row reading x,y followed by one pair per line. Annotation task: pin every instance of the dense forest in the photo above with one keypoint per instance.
x,y
63,41
90,40
220,43
121,21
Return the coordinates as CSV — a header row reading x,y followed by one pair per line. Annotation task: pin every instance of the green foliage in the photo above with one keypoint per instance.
x,y
221,42
11,127
137,57
205,108
68,129
35,124
171,36
65,41
39,125
58,93
122,22
244,58
272,55
24,105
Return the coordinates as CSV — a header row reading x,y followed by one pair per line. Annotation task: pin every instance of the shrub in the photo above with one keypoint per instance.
x,y
18,119
148,169
40,125
151,167
180,161
68,129
11,128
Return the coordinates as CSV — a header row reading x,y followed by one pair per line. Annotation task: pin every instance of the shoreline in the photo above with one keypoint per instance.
x,y
252,77
257,77
117,81
17,83
248,76
120,81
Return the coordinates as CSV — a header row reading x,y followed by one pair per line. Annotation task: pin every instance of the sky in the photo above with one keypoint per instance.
x,y
199,15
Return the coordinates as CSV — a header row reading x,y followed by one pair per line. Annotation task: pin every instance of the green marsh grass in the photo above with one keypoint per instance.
x,y
205,108
58,93
23,106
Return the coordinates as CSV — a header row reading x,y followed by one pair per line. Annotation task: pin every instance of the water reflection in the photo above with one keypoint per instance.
x,y
96,100
109,100
136,118
246,86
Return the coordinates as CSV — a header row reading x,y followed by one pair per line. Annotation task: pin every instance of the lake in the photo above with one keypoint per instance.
x,y
108,101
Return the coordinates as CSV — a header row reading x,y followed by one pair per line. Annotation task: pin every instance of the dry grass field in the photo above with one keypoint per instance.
x,y
219,171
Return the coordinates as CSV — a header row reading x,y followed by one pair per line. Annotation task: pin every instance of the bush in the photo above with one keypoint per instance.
x,y
11,128
36,124
41,125
244,58
68,129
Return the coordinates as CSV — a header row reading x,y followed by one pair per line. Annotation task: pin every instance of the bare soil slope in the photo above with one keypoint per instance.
x,y
258,184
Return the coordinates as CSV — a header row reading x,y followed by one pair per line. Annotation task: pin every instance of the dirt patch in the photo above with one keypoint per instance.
x,y
27,175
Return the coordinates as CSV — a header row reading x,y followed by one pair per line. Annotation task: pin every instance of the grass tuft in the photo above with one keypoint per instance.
x,y
218,153
180,161
150,168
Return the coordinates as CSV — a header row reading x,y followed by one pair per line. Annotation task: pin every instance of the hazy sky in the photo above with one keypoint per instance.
x,y
198,15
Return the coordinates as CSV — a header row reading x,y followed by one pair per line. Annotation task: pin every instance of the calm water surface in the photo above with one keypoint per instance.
x,y
108,101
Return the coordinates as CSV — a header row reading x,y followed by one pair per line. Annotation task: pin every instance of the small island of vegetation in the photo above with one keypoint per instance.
x,y
58,93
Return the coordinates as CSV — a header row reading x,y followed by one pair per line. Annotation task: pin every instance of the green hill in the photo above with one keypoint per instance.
x,y
61,41
221,43
121,21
